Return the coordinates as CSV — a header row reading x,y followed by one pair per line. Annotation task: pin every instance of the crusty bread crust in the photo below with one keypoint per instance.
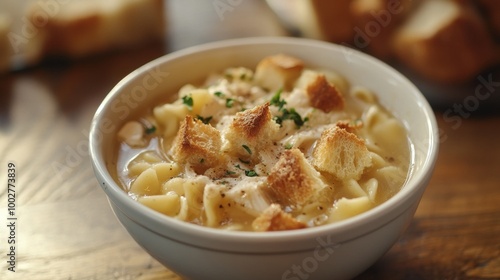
x,y
275,219
5,49
83,28
456,51
324,96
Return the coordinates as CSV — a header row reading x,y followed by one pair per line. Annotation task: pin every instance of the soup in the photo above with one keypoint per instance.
x,y
283,146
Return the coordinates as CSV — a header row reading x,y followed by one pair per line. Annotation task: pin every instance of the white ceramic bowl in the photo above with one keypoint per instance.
x,y
335,251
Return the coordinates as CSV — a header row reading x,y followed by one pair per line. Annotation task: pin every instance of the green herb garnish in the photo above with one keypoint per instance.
x,y
251,173
229,102
219,94
277,101
290,115
247,149
288,146
188,101
150,130
204,120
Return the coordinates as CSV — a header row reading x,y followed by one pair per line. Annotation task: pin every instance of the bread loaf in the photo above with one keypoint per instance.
x,y
445,41
5,49
375,22
31,30
80,28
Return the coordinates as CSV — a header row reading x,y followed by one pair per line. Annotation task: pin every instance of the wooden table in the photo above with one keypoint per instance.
x,y
66,230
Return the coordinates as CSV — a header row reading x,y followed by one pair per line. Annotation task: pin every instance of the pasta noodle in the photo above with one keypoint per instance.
x,y
283,147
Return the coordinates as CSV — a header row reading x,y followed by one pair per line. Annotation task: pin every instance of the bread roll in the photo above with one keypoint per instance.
x,y
445,42
491,8
5,49
80,28
326,20
375,22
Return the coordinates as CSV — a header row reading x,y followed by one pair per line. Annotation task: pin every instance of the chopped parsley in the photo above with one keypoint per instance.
x,y
229,102
248,172
288,146
247,149
204,120
219,94
291,115
150,129
277,101
229,172
251,173
188,101
286,114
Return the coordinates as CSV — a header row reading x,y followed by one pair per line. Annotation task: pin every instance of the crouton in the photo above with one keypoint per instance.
x,y
324,95
275,219
341,154
350,126
250,131
198,144
278,72
293,181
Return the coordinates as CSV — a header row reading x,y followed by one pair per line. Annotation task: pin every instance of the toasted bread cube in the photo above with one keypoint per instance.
x,y
278,71
250,131
275,219
350,126
198,144
341,154
324,95
293,181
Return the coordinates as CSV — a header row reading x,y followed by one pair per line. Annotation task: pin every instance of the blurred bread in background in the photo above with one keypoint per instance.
x,y
445,41
491,10
375,22
76,28
5,50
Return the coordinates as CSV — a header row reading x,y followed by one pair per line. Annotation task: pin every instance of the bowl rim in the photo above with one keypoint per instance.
x,y
120,198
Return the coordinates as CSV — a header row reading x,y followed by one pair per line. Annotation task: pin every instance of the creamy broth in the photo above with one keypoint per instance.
x,y
279,147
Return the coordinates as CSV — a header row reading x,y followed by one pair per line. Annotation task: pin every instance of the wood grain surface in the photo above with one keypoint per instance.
x,y
66,230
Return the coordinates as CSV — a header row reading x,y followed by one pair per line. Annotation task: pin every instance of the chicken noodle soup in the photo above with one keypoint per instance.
x,y
281,147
